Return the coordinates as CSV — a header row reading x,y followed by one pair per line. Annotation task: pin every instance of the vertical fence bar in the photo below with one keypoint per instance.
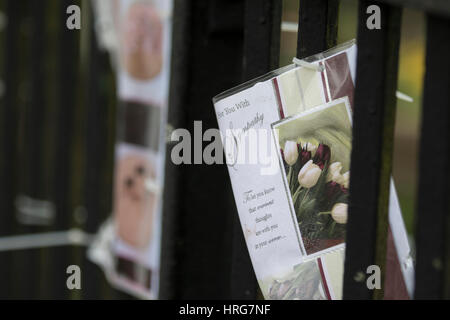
x,y
212,63
210,206
100,101
371,160
25,286
95,117
51,54
262,29
172,243
76,216
63,153
433,221
8,182
318,25
35,112
37,167
30,173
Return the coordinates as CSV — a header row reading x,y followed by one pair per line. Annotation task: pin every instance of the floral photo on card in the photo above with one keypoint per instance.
x,y
315,151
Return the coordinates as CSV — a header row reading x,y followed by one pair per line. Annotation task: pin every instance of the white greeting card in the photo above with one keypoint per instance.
x,y
291,184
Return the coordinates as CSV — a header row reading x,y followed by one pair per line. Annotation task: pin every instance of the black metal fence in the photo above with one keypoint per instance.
x,y
57,134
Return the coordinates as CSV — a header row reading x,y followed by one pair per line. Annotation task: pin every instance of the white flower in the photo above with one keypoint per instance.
x,y
290,152
345,180
308,146
309,174
339,213
334,171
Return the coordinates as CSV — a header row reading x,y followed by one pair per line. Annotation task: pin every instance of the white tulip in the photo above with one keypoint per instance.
x,y
309,174
339,213
345,180
290,152
334,171
308,146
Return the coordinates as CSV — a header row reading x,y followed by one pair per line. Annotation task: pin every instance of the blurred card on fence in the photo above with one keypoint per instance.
x,y
136,204
143,33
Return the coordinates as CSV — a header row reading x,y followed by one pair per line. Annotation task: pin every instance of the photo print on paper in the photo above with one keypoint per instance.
x,y
314,149
135,201
142,41
319,278
303,283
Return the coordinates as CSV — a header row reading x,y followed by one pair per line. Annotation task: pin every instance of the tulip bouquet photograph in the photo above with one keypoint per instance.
x,y
315,151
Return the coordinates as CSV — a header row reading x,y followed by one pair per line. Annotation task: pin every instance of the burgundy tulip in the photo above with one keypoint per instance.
x,y
333,190
305,156
323,155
